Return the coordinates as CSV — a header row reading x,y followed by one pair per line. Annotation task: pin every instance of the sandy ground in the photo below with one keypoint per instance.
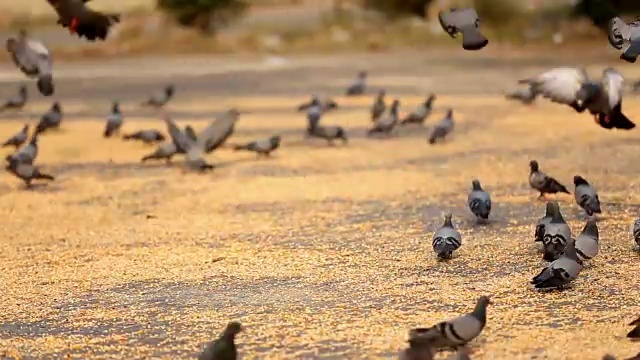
x,y
320,251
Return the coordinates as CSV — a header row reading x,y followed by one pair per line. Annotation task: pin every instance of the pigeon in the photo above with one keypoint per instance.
x,y
219,130
314,114
165,151
326,104
224,347
626,37
556,235
586,196
26,172
17,103
587,243
34,59
446,240
329,133
379,106
26,154
51,119
191,134
465,22
262,147
385,124
479,201
635,332
457,332
561,271
82,20
572,87
542,182
359,85
147,136
636,231
551,208
193,150
443,128
18,139
159,100
421,113
525,95
114,121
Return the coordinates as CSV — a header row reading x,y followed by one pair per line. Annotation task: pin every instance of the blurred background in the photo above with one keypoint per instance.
x,y
281,26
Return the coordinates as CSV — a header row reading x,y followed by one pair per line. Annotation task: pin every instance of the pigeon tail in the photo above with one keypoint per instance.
x,y
241,147
472,39
341,134
42,176
45,85
617,120
635,333
554,186
550,283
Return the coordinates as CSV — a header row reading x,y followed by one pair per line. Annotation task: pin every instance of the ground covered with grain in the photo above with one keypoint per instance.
x,y
319,251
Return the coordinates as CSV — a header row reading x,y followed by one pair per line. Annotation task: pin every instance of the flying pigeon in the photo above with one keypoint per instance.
x,y
446,240
551,208
635,332
556,235
561,271
224,347
479,201
147,136
465,22
164,151
572,86
18,139
587,243
326,104
114,121
385,124
456,332
26,172
50,119
542,182
421,113
379,106
359,85
16,103
262,147
194,150
443,128
83,21
159,100
525,95
636,231
33,58
26,154
586,196
626,37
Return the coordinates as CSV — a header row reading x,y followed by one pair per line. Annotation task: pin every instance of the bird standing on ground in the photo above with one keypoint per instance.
x,y
421,113
479,201
26,172
165,151
18,139
386,124
160,100
33,58
262,147
359,86
561,271
542,182
465,22
446,240
26,154
114,121
50,119
148,136
443,128
224,347
586,196
636,231
16,103
588,242
82,20
379,106
626,37
556,235
552,207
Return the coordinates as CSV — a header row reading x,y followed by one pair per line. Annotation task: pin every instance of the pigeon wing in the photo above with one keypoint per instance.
x,y
559,85
183,143
619,32
611,84
214,135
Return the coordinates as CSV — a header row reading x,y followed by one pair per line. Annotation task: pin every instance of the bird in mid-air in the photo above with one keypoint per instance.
x,y
32,58
82,20
626,37
465,22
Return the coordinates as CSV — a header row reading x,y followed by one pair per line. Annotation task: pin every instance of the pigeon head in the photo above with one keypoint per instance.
x,y
395,105
591,229
579,180
552,208
587,94
476,185
556,215
169,90
23,90
315,101
533,165
22,33
115,107
362,75
275,140
449,113
480,311
56,107
447,221
234,113
430,99
12,44
232,329
382,93
25,128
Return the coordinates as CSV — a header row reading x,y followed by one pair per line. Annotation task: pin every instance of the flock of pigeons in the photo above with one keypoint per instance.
x,y
566,256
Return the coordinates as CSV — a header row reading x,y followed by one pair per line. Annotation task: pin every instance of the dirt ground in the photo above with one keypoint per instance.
x,y
319,251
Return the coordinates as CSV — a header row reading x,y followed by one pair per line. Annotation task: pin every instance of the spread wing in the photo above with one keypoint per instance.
x,y
211,137
618,32
559,85
181,141
612,83
41,56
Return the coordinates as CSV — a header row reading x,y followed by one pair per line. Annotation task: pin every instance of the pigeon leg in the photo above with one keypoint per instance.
x,y
542,196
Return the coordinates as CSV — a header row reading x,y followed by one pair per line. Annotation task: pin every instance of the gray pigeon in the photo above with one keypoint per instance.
x,y
26,154
551,208
224,347
588,242
446,240
542,182
421,113
18,139
148,136
33,58
194,150
556,235
17,103
165,151
479,201
50,119
572,86
465,22
329,133
114,121
359,85
586,196
326,104
379,106
636,231
561,271
159,100
385,124
443,128
262,147
26,172
456,332
626,37
525,95
314,114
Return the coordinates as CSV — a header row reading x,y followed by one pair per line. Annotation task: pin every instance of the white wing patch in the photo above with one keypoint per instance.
x,y
560,84
38,47
612,83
